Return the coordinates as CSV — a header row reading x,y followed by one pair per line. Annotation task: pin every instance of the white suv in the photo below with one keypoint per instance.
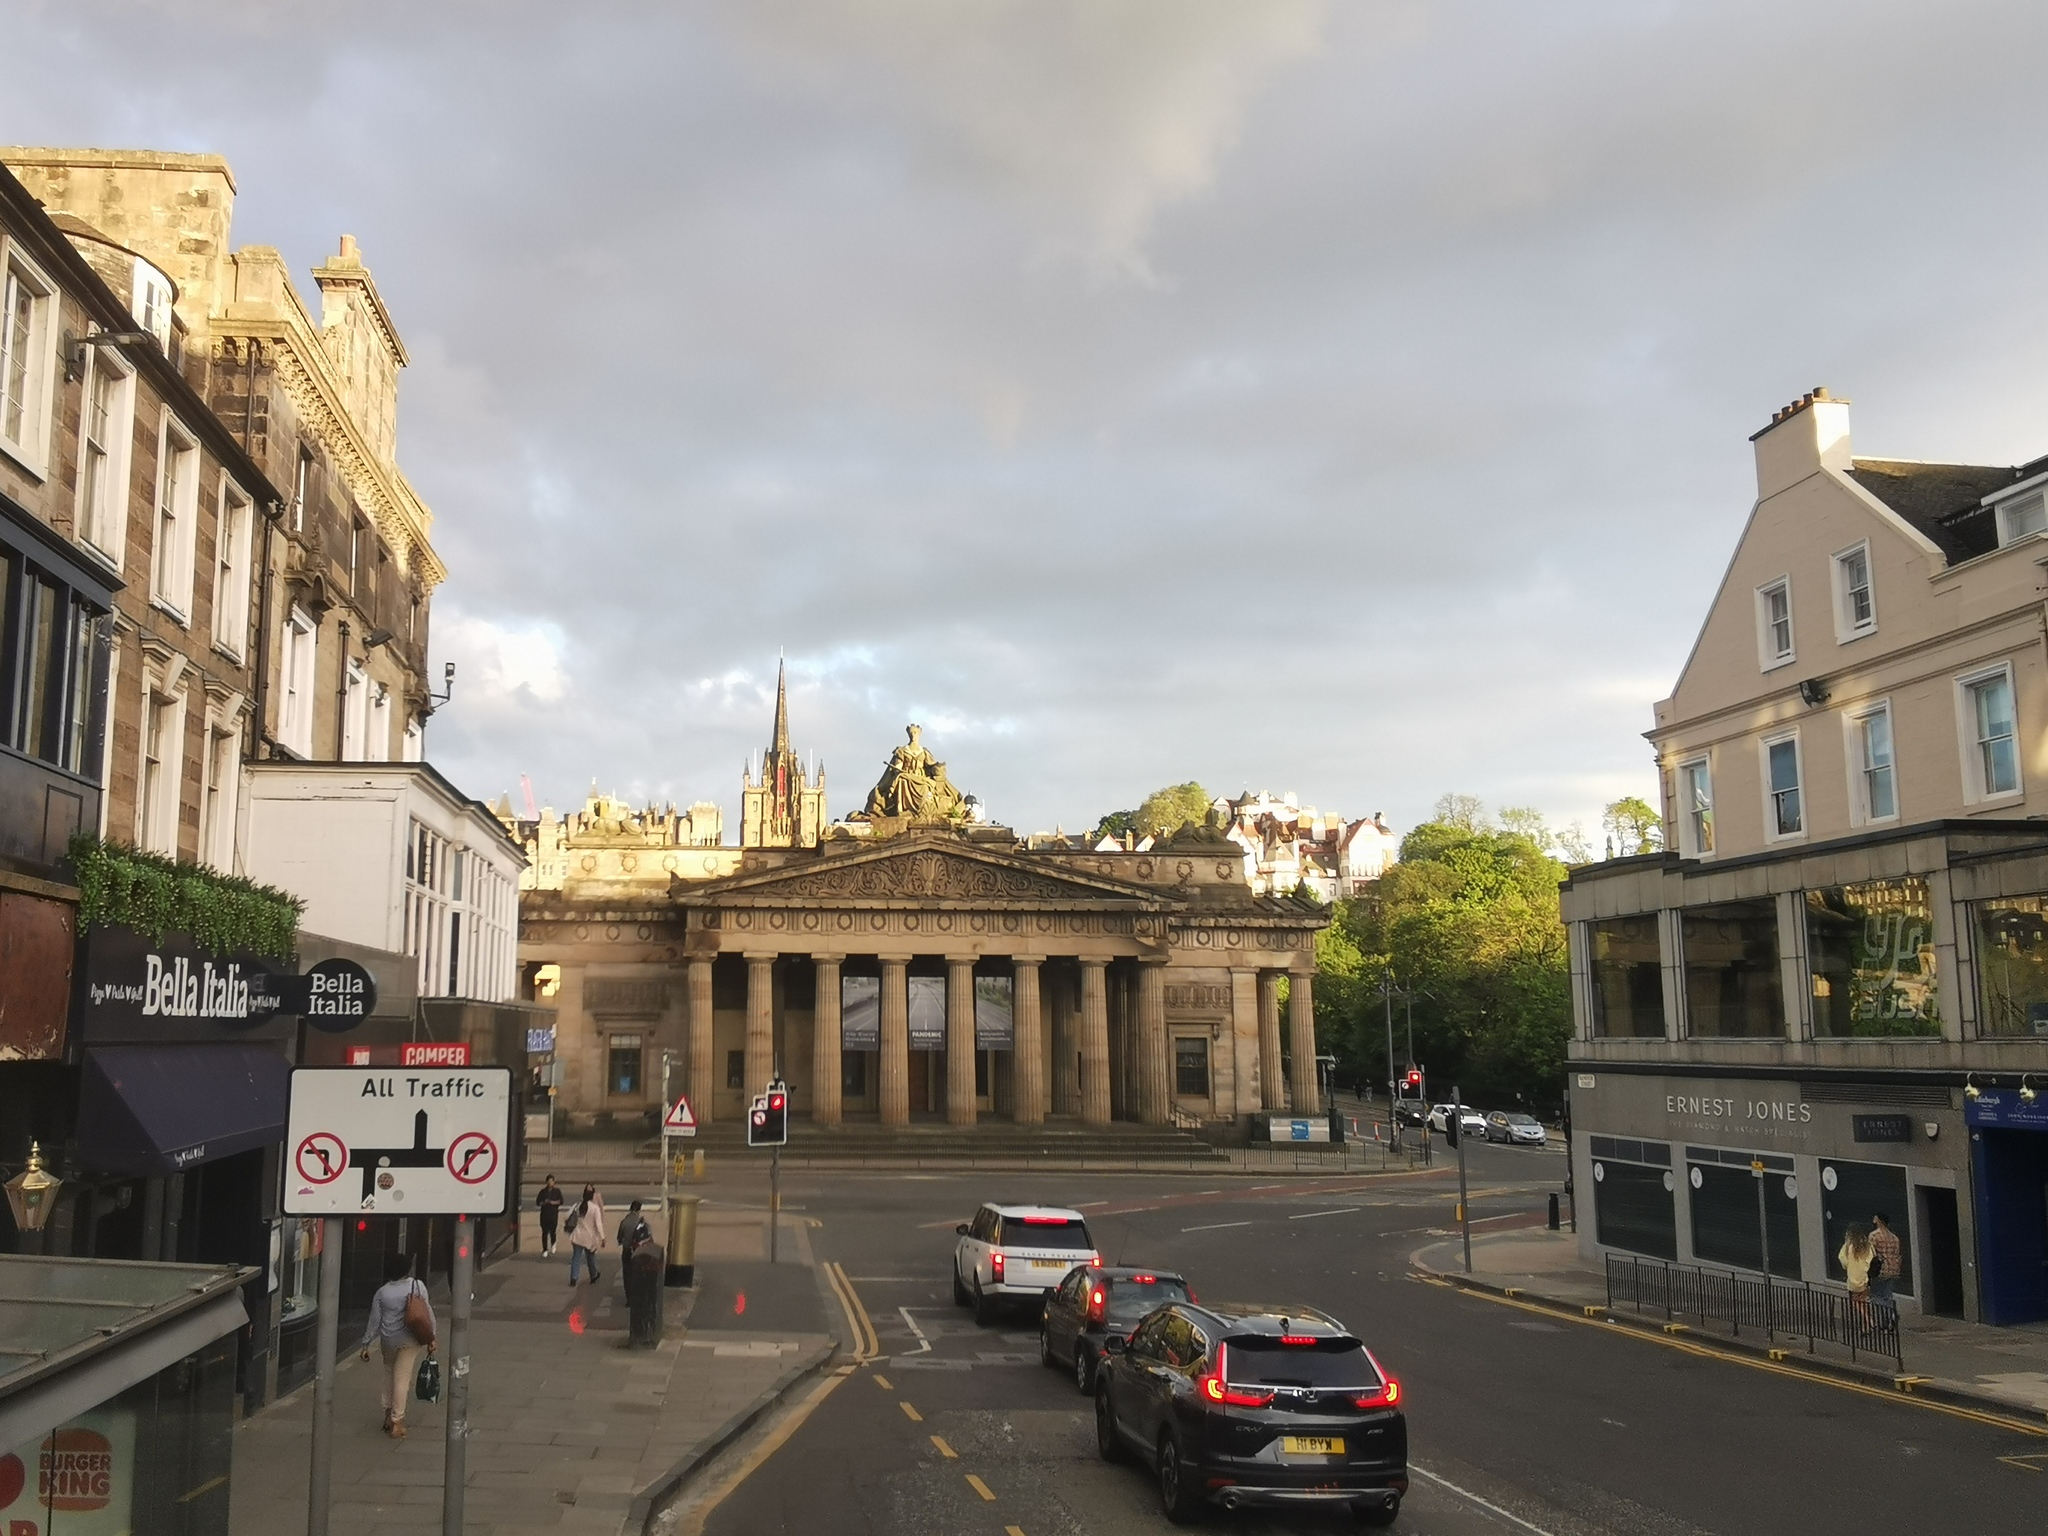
x,y
1017,1251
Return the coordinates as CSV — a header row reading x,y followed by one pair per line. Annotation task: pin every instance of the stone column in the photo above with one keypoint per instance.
x,y
703,1077
1094,1044
825,1046
760,1023
1027,1048
895,1037
1154,1085
959,1040
1301,1040
1247,1069
1272,1077
1066,1072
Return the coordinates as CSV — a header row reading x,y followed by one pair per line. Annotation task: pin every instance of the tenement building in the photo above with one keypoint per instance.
x,y
1836,977
908,963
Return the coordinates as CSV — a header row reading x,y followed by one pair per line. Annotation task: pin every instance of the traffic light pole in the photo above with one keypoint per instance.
x,y
1464,1211
774,1200
1393,1092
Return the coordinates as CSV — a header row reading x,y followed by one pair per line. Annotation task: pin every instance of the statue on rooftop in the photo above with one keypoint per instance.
x,y
914,786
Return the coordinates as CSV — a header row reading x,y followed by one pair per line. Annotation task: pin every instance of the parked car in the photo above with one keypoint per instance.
x,y
1017,1253
1092,1304
1472,1122
1411,1112
1516,1129
1248,1407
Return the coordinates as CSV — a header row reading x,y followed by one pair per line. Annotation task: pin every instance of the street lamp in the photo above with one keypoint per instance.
x,y
32,1193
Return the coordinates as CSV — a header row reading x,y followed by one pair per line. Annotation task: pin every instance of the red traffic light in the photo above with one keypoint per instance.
x,y
775,1101
1414,1078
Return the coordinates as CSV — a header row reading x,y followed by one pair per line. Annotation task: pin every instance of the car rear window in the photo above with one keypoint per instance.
x,y
1522,1120
1263,1361
1046,1232
1131,1299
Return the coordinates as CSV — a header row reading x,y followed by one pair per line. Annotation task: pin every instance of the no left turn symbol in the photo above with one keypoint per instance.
x,y
472,1157
321,1158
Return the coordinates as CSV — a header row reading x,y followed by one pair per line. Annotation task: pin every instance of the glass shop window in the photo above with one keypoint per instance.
x,y
1628,978
1870,949
2012,965
1732,987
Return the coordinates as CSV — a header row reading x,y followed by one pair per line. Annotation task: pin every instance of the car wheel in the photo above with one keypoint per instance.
x,y
959,1290
1109,1440
1375,1513
984,1307
1177,1496
1084,1370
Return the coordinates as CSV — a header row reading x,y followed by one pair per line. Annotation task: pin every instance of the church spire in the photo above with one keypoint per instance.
x,y
780,745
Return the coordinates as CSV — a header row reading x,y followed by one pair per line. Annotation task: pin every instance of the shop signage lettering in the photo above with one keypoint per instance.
x,y
1790,1111
339,990
422,1053
1882,1127
132,990
176,990
77,1478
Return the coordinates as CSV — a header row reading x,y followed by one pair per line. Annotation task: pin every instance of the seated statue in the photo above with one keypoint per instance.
x,y
913,785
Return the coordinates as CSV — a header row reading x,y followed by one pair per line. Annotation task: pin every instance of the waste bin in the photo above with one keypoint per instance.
x,y
682,1240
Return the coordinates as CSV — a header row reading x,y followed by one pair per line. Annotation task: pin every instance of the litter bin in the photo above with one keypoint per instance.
x,y
682,1240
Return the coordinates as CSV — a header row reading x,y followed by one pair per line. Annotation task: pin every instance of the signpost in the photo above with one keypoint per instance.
x,y
768,1126
1458,1136
397,1141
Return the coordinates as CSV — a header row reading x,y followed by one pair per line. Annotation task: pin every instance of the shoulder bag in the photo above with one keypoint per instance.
x,y
419,1320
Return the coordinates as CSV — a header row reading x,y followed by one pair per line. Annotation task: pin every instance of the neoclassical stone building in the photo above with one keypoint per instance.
x,y
908,965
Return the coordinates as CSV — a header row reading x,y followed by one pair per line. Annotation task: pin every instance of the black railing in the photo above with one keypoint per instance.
x,y
1789,1309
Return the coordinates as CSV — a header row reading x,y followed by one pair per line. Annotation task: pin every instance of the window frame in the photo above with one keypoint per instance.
x,y
1768,659
2001,510
158,795
298,654
1976,787
1690,844
103,529
149,285
1772,820
220,767
39,372
1847,628
171,561
233,536
355,712
1856,759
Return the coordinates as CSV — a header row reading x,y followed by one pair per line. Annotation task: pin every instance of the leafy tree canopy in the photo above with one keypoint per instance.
x,y
1632,826
1115,824
1169,809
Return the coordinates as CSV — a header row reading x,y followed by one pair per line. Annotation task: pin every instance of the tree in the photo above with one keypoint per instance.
x,y
1168,810
1465,812
1115,824
1633,826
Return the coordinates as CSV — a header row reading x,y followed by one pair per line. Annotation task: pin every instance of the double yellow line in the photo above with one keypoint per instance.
x,y
865,1345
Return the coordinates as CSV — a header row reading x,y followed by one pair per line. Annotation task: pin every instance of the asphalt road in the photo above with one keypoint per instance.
x,y
1519,1422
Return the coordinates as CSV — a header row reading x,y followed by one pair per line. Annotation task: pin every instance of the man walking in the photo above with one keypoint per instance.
x,y
640,1265
549,1203
1889,1254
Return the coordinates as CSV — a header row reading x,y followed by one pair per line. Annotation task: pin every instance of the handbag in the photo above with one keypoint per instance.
x,y
426,1382
419,1321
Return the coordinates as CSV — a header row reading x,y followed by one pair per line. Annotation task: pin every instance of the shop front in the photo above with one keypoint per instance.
x,y
117,1387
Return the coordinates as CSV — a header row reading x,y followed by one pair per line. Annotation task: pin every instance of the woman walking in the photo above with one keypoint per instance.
x,y
1856,1257
586,1233
402,1324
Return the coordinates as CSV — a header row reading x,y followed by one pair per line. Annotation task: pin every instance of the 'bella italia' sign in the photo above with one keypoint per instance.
x,y
133,990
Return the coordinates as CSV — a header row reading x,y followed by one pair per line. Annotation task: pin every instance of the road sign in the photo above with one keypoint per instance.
x,y
680,1120
399,1141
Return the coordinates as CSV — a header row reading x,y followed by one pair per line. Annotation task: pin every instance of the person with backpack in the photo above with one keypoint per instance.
x,y
402,1324
586,1234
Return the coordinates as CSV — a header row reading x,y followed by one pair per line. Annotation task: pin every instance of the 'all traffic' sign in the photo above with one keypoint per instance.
x,y
399,1141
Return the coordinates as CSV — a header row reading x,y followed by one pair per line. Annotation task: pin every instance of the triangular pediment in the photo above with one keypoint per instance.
x,y
923,869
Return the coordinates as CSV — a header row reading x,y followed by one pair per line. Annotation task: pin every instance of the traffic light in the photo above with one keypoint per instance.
x,y
1415,1078
768,1121
1451,1127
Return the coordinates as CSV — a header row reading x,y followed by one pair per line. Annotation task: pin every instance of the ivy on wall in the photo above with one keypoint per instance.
x,y
224,914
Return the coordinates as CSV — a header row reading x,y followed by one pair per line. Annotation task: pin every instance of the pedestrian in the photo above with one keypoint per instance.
x,y
640,1264
401,1324
1856,1258
586,1234
1887,1256
549,1204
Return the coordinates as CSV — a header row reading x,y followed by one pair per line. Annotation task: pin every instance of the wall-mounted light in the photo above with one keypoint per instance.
x,y
76,347
1933,1129
375,638
1970,1088
32,1193
436,700
1814,691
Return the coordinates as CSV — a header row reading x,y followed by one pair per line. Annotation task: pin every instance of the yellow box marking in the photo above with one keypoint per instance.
x,y
911,1413
945,1450
1013,1530
883,1383
980,1487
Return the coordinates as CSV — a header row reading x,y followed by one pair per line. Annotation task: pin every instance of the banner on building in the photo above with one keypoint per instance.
x,y
134,990
860,1013
995,1026
927,1013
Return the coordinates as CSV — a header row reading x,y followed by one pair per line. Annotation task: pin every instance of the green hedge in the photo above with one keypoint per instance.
x,y
157,896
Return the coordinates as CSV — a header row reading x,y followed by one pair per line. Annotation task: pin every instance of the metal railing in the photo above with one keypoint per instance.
x,y
1792,1309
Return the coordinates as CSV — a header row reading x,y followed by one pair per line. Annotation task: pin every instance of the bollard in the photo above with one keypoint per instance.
x,y
1553,1211
682,1240
698,1166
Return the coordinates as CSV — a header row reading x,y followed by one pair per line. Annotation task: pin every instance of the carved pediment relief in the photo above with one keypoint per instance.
x,y
922,874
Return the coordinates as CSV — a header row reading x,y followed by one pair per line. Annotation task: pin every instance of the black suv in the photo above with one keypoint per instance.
x,y
1092,1304
1254,1406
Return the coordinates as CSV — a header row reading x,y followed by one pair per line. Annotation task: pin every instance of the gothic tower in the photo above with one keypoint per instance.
x,y
783,808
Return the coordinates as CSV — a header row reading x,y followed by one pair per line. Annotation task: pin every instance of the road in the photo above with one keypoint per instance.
x,y
1520,1422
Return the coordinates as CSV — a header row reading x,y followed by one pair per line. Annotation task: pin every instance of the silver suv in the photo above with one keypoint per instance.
x,y
1017,1253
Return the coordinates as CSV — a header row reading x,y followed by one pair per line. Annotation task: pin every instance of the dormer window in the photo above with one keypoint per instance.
x,y
2022,517
151,304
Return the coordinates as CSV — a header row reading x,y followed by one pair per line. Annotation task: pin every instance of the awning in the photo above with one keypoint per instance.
x,y
162,1109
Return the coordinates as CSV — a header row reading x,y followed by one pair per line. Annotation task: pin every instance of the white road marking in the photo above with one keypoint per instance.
x,y
1307,1215
1216,1226
1466,1493
924,1345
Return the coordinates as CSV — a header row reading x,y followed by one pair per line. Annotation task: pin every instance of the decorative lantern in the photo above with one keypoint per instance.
x,y
32,1193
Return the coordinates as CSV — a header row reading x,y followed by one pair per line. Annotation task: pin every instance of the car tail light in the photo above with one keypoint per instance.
x,y
1191,1294
1142,1279
1095,1261
1216,1390
1297,1338
996,1262
1045,1221
1098,1304
1387,1395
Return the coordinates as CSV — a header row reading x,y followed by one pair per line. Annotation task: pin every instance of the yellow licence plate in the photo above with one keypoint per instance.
x,y
1311,1445
1050,1264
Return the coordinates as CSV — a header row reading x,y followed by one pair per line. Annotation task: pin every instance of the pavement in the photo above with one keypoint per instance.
x,y
570,1430
2003,1369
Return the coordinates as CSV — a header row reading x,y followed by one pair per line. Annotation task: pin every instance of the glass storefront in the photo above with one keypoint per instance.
x,y
1633,1208
1729,1220
1628,978
1854,1195
1732,987
2012,965
1870,949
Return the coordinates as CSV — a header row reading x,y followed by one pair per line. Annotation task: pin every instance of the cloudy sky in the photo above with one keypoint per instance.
x,y
1342,398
